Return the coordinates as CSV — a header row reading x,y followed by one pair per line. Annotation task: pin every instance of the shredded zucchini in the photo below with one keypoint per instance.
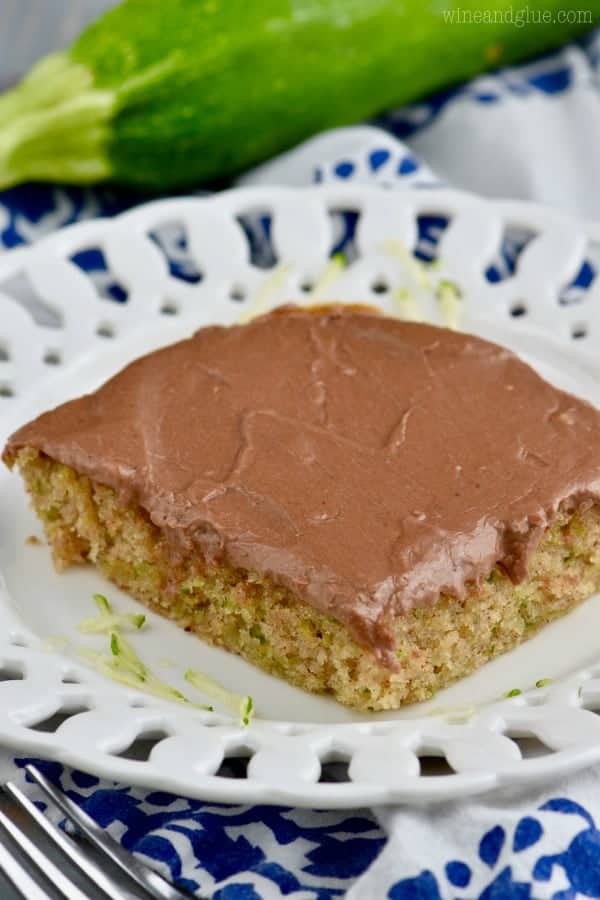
x,y
328,276
418,272
55,644
242,706
267,293
246,710
109,621
410,309
106,624
125,666
102,603
449,296
455,712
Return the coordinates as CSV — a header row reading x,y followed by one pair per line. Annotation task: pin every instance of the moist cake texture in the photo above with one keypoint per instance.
x,y
366,507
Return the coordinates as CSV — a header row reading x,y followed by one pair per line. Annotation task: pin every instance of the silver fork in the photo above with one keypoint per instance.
x,y
20,872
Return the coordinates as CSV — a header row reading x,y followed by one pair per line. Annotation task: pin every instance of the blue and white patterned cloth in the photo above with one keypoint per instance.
x,y
531,132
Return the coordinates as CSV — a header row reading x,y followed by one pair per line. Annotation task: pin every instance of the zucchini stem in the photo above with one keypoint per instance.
x,y
54,125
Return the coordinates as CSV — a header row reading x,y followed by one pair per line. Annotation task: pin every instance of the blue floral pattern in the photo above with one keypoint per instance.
x,y
579,862
239,852
228,850
550,75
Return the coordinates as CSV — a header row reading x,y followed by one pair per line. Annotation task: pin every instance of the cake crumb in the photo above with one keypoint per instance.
x,y
33,540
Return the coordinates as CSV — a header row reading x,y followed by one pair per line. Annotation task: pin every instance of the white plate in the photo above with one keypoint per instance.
x,y
486,740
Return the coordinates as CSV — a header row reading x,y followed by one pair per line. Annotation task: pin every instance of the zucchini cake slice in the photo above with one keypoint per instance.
x,y
365,507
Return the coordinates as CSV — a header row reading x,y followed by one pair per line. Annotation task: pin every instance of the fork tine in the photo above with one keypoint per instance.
x,y
60,881
17,875
69,848
151,881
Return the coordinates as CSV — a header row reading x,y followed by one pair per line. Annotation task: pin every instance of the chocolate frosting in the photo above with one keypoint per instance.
x,y
368,464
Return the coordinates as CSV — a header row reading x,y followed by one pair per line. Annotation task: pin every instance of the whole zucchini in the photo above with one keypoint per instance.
x,y
160,94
